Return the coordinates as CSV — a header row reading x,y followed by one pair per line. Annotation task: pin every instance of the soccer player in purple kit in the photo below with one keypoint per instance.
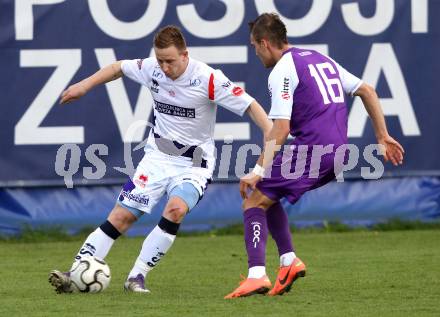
x,y
307,100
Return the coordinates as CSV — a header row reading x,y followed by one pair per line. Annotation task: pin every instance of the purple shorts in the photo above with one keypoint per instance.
x,y
296,172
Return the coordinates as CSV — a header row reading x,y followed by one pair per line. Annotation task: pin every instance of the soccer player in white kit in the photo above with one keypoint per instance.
x,y
179,154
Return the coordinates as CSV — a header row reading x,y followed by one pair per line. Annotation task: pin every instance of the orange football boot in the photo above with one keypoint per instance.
x,y
251,286
286,276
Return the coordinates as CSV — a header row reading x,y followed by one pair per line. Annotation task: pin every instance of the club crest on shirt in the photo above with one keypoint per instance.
x,y
157,74
195,82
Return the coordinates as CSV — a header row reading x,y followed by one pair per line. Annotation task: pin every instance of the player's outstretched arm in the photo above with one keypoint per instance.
x,y
393,150
259,117
102,76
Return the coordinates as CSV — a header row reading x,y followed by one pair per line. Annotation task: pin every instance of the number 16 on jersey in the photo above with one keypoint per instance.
x,y
332,87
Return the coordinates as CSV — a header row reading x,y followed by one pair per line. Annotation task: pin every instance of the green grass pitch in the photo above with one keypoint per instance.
x,y
349,274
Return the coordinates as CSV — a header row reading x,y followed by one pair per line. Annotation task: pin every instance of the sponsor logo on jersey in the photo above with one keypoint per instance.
x,y
174,110
195,82
157,74
141,181
139,63
172,93
141,199
155,86
237,91
226,85
306,53
285,92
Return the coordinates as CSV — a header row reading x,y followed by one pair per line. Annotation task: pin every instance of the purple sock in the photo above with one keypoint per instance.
x,y
255,236
278,225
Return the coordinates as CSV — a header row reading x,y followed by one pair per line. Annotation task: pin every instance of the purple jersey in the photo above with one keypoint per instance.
x,y
307,88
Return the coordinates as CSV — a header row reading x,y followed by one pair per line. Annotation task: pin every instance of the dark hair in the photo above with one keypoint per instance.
x,y
168,36
270,27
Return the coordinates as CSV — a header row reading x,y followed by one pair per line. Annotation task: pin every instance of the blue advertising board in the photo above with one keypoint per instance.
x,y
394,45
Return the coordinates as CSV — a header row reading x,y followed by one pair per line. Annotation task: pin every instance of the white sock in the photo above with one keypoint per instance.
x,y
257,272
287,258
97,244
155,245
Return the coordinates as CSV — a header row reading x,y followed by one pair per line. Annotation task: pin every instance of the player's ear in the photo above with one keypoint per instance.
x,y
184,53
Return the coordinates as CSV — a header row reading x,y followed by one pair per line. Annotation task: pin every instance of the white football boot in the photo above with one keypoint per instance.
x,y
136,284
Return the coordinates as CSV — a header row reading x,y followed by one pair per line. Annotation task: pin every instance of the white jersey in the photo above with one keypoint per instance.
x,y
185,108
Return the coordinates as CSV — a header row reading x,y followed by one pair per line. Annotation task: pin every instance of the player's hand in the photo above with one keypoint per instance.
x,y
73,93
392,151
247,182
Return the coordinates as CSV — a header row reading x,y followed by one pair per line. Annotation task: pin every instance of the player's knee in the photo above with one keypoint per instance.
x,y
255,201
249,203
245,205
175,212
121,219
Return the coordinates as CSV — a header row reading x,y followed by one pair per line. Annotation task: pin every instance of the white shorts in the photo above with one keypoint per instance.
x,y
158,173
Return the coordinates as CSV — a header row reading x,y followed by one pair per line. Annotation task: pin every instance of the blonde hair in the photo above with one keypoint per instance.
x,y
168,36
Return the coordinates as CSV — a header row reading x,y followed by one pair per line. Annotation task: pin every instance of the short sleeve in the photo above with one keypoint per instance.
x,y
282,83
137,69
350,83
226,94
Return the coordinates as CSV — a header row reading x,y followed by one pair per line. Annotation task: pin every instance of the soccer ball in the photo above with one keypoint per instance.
x,y
90,275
